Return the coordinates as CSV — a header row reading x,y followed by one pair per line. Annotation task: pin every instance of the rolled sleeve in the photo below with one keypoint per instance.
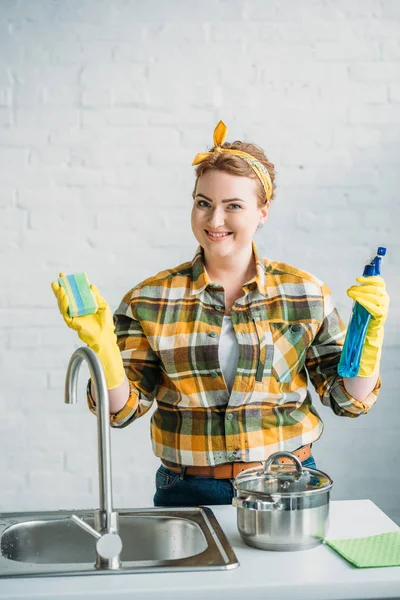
x,y
124,416
141,364
344,405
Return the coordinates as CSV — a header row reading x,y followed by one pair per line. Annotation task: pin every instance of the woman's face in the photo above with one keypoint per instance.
x,y
226,213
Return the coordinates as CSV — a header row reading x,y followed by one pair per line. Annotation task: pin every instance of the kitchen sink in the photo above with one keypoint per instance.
x,y
105,540
155,539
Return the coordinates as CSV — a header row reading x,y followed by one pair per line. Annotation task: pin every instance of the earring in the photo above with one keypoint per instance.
x,y
260,225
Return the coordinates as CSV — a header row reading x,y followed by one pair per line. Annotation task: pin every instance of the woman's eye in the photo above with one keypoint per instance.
x,y
203,203
235,206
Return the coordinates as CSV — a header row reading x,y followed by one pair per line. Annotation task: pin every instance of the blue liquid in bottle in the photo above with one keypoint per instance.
x,y
349,363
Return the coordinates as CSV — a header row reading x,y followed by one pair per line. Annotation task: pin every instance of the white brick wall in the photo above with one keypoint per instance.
x,y
103,106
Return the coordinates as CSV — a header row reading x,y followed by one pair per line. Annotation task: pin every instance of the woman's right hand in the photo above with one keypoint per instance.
x,y
91,329
97,331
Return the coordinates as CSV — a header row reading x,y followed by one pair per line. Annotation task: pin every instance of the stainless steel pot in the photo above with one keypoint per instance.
x,y
283,506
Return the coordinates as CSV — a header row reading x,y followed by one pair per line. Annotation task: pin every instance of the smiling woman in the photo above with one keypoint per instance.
x,y
225,216
227,343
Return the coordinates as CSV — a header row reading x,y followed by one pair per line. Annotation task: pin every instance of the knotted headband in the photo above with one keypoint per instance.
x,y
220,133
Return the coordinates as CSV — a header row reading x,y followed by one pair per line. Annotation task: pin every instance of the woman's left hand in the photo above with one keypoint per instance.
x,y
372,295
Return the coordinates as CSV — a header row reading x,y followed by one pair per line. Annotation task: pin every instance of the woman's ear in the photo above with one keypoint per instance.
x,y
264,212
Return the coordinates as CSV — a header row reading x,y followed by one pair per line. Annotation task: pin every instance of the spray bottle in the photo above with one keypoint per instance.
x,y
349,363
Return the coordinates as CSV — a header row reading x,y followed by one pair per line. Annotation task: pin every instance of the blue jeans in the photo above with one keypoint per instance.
x,y
175,489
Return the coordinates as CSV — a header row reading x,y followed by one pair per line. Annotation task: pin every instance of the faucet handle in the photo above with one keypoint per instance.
x,y
108,545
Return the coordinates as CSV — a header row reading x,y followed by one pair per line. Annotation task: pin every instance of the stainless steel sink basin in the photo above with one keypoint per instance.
x,y
155,539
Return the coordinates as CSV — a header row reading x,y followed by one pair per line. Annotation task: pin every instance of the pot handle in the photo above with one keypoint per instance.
x,y
257,504
283,453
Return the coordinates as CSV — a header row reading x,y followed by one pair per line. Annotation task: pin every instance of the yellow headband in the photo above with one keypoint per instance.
x,y
220,133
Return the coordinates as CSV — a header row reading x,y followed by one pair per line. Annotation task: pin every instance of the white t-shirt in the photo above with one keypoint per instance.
x,y
228,352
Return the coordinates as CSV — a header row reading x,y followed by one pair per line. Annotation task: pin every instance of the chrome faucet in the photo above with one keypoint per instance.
x,y
105,519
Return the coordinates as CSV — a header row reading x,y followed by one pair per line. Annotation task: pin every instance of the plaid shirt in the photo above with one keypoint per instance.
x,y
168,329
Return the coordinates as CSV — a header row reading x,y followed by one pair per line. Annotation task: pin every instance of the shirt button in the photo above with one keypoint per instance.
x,y
218,307
214,374
295,328
230,417
213,334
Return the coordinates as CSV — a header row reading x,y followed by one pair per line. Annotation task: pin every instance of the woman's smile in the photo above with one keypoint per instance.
x,y
217,236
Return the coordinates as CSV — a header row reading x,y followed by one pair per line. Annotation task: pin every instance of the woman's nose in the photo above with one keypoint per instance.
x,y
217,218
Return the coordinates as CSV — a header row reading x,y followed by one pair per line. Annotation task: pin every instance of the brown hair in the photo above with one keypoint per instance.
x,y
224,161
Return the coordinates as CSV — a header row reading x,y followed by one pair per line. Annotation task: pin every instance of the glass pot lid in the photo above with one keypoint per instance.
x,y
283,479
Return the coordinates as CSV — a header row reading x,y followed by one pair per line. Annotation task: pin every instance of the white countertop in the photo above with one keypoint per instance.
x,y
316,574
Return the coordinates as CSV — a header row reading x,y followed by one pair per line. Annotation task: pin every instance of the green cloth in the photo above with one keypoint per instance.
x,y
374,551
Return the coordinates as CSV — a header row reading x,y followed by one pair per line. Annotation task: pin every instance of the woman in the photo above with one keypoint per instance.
x,y
224,343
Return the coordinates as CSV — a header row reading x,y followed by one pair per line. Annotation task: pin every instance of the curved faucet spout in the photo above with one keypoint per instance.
x,y
103,424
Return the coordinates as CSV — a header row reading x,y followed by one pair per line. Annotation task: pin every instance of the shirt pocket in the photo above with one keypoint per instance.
x,y
263,361
290,344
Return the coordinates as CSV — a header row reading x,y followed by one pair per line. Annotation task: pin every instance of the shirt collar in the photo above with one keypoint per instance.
x,y
200,278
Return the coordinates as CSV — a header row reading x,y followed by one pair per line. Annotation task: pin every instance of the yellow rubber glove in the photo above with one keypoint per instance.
x,y
97,331
372,295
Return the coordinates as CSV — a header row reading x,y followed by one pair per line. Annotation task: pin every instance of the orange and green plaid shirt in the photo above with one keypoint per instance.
x,y
168,329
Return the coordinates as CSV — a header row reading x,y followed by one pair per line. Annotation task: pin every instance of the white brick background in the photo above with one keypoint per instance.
x,y
103,106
